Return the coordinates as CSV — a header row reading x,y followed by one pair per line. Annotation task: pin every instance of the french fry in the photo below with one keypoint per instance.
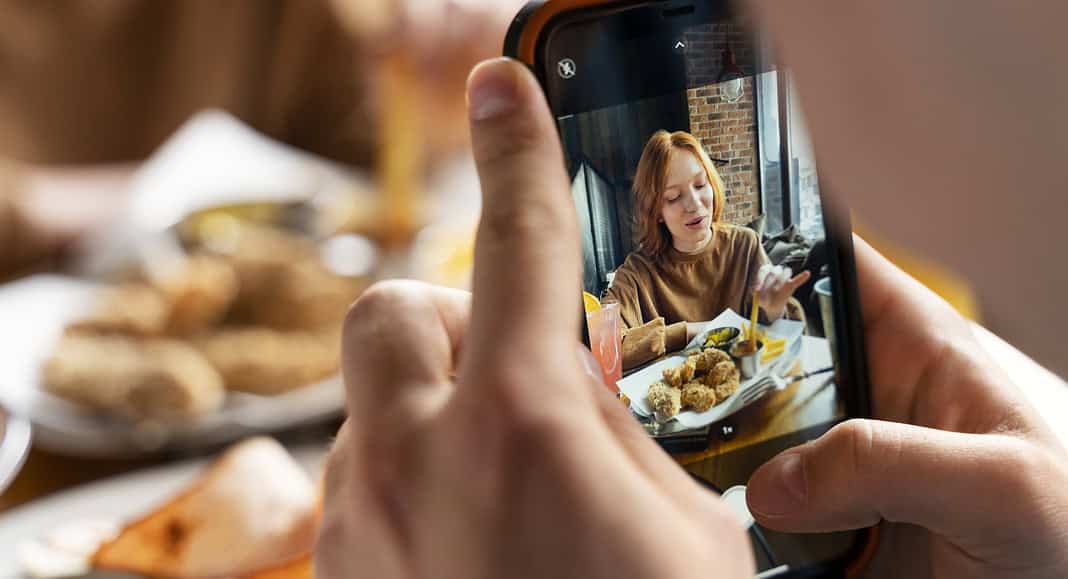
x,y
753,320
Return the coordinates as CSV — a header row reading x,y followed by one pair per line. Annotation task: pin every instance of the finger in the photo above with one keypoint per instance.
x,y
526,308
657,466
862,472
780,279
400,346
761,278
654,462
799,280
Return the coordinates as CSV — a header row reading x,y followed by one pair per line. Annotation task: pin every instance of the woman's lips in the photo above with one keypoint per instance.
x,y
697,223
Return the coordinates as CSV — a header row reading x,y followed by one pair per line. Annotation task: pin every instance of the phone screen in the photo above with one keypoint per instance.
x,y
699,201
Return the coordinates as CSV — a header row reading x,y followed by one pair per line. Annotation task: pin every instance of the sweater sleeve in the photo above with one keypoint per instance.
x,y
643,341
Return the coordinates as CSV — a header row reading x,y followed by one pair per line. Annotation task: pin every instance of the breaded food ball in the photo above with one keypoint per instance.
x,y
664,399
722,372
725,390
698,397
714,356
673,377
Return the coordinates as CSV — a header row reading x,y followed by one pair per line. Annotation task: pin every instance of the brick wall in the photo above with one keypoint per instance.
x,y
727,130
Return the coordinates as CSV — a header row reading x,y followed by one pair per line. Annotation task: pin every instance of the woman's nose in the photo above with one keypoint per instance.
x,y
690,201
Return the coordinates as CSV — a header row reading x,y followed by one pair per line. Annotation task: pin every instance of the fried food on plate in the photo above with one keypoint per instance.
x,y
725,390
698,397
678,376
704,380
283,282
135,378
254,509
665,399
722,372
135,309
268,362
704,361
200,293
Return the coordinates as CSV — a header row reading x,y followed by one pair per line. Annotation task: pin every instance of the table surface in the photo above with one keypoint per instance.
x,y
46,473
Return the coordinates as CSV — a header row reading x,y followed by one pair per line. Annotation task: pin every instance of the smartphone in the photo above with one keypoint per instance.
x,y
692,174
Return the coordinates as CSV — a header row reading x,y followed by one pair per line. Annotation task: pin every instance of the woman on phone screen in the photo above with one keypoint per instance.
x,y
690,266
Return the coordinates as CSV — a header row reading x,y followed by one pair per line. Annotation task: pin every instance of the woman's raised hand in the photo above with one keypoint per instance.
x,y
775,286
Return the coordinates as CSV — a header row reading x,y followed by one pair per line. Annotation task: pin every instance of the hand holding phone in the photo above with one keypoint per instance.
x,y
523,465
968,479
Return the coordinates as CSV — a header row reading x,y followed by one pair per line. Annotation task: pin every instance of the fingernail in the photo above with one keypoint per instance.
x,y
780,487
491,90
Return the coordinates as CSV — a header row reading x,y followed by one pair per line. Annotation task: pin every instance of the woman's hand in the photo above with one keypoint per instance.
x,y
481,449
775,287
976,487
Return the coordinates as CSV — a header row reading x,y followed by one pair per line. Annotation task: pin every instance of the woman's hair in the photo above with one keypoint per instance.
x,y
651,179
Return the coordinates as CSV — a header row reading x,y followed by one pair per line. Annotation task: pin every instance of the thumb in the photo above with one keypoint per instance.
x,y
528,248
960,486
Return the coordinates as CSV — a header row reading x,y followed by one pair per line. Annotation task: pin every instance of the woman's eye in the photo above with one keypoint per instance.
x,y
702,185
673,199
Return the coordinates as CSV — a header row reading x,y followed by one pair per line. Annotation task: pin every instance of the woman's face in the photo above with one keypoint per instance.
x,y
687,204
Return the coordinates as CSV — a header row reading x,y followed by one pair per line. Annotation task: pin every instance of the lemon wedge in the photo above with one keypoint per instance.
x,y
590,302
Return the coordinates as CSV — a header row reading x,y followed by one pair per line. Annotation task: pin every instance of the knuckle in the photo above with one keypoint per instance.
x,y
507,224
870,449
520,137
382,302
1022,465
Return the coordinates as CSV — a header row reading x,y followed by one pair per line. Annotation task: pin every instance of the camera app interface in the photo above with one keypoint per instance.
x,y
706,273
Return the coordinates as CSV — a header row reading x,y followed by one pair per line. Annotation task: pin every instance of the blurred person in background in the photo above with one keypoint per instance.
x,y
92,88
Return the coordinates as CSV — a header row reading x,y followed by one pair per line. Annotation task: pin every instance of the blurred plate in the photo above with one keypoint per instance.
x,y
36,310
117,499
14,444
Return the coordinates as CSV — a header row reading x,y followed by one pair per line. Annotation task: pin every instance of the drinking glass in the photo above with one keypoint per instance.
x,y
606,341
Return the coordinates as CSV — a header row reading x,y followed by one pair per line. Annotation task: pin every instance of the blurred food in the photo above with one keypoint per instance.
x,y
199,292
134,377
283,282
252,308
135,309
253,509
704,380
268,362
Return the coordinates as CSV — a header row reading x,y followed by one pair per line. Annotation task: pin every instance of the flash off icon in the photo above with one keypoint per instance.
x,y
566,68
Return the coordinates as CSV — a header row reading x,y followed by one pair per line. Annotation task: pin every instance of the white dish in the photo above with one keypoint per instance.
x,y
636,385
117,499
35,311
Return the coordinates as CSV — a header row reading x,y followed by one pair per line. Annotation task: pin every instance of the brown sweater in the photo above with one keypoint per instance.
x,y
658,297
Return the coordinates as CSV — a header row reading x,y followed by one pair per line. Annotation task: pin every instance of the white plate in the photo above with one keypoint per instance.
x,y
636,385
34,312
117,499
14,446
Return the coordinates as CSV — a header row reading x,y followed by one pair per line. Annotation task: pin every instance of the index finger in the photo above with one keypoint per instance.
x,y
527,275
